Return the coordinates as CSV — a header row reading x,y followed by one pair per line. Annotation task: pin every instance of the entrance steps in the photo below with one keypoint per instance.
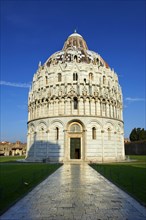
x,y
75,162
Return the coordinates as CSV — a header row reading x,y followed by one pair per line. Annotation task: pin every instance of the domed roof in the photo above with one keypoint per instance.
x,y
75,41
75,34
76,49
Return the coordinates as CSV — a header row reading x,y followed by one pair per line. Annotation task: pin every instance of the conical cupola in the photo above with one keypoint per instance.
x,y
75,41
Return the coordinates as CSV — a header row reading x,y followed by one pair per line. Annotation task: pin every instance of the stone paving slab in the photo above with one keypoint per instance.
x,y
76,192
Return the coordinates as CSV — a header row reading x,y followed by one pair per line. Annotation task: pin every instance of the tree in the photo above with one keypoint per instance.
x,y
142,134
133,135
137,134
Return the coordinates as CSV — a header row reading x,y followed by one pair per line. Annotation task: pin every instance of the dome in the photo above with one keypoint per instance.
x,y
75,34
75,49
75,41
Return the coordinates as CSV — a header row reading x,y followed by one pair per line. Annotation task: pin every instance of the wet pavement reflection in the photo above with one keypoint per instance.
x,y
76,191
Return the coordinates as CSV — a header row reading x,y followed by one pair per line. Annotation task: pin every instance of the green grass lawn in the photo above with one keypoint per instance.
x,y
16,179
130,176
4,159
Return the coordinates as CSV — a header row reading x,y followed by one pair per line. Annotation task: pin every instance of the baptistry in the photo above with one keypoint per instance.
x,y
75,108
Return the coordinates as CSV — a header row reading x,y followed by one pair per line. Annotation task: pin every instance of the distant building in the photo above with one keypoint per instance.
x,y
12,149
126,140
75,108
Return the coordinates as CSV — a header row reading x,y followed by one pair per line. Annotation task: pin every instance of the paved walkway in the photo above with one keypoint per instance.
x,y
76,192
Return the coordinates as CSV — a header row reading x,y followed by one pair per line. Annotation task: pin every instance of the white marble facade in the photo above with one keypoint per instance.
x,y
75,109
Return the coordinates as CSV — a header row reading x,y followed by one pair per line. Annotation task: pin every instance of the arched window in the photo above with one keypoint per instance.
x,y
75,76
75,103
90,76
46,80
59,77
57,133
109,134
74,42
81,44
75,57
94,133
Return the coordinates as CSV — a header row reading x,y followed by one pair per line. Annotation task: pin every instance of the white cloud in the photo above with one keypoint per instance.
x,y
20,85
129,99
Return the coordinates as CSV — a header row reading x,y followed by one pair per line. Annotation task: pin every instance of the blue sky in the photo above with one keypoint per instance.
x,y
32,30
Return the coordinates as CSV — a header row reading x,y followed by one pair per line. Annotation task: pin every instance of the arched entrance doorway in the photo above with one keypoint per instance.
x,y
75,141
75,148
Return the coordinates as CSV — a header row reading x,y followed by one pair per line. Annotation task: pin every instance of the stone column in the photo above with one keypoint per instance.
x,y
110,110
34,144
113,111
51,107
45,109
106,109
66,146
95,106
28,113
38,110
115,144
102,136
100,108
71,106
87,106
84,102
122,144
65,102
112,114
79,106
68,106
90,105
121,114
28,144
115,108
63,106
42,110
47,134
59,106
32,113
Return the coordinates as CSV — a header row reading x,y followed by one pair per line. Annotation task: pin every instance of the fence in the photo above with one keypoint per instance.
x,y
135,148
